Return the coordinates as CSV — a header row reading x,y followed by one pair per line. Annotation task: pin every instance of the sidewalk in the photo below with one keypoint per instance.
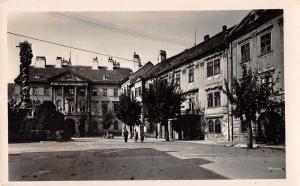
x,y
232,144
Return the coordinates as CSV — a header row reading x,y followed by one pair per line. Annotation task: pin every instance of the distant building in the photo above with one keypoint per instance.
x,y
77,90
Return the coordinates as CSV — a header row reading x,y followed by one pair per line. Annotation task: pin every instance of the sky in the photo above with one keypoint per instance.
x,y
118,34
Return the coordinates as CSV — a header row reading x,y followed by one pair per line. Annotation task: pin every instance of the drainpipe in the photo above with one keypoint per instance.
x,y
231,74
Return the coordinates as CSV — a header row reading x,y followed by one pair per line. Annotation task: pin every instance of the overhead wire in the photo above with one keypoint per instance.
x,y
118,28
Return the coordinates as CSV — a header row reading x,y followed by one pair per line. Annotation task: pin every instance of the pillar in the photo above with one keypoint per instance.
x,y
75,98
159,130
170,132
86,99
63,98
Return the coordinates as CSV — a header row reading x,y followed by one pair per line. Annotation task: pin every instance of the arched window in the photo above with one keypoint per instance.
x,y
210,126
217,126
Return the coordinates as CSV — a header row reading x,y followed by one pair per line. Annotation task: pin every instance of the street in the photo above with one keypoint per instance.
x,y
155,159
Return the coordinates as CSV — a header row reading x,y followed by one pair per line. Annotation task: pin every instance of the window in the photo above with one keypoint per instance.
x,y
245,52
213,68
191,103
211,126
265,43
217,126
71,91
59,92
217,66
115,106
210,70
47,91
177,79
105,92
243,126
191,75
214,126
94,92
104,107
136,92
94,106
210,100
115,92
82,91
35,91
140,91
217,99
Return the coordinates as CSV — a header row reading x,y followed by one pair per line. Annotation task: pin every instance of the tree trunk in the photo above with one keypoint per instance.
x,y
131,131
250,136
166,131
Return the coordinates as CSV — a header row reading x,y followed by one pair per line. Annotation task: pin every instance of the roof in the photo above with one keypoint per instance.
x,y
253,20
43,75
141,72
211,45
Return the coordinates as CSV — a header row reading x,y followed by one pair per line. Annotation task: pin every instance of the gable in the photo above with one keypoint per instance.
x,y
69,76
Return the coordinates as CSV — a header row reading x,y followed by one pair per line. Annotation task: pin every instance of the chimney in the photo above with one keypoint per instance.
x,y
95,63
58,62
162,55
224,28
110,62
206,37
136,62
40,61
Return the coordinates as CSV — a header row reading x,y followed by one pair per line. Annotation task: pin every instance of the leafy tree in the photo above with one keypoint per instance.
x,y
250,97
108,120
161,102
48,118
129,111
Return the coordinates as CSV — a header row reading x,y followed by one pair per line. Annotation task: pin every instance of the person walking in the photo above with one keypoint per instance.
x,y
125,134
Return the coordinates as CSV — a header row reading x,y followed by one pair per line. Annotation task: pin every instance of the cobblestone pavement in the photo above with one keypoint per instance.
x,y
155,159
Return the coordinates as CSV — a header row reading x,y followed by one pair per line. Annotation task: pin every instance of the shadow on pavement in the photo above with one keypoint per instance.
x,y
107,164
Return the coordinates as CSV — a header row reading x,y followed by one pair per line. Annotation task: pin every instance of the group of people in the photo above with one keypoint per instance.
x,y
135,135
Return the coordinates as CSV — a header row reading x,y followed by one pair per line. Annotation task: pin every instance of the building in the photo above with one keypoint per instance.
x,y
77,90
257,42
199,72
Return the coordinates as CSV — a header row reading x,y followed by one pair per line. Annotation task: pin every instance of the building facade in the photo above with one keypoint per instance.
x,y
92,91
257,42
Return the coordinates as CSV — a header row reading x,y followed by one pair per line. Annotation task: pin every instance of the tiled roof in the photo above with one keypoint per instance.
x,y
144,70
247,24
213,44
42,75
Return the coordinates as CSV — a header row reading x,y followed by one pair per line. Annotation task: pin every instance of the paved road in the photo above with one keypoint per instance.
x,y
100,159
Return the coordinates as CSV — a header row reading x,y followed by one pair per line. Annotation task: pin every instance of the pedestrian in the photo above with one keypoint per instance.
x,y
125,134
142,137
136,136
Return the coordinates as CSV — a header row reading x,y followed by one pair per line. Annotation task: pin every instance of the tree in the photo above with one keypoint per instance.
x,y
48,118
108,120
129,111
250,97
161,102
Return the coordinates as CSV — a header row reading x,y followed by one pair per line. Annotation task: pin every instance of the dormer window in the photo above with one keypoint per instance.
x,y
37,76
106,77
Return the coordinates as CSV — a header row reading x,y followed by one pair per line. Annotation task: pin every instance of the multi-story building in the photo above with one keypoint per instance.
x,y
257,42
199,72
77,90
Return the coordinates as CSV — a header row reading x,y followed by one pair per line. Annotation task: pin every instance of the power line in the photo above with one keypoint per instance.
x,y
118,28
67,46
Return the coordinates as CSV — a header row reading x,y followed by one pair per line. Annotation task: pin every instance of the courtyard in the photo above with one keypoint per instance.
x,y
155,159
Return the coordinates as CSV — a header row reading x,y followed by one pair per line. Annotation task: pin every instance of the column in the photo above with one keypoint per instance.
x,y
86,99
170,132
63,98
52,95
75,98
158,130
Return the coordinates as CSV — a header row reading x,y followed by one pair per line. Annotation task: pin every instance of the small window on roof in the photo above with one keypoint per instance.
x,y
37,76
106,77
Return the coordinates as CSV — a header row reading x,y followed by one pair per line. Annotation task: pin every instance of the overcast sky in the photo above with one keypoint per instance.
x,y
112,33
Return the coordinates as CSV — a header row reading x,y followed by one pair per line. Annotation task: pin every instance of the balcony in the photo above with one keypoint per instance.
x,y
191,112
